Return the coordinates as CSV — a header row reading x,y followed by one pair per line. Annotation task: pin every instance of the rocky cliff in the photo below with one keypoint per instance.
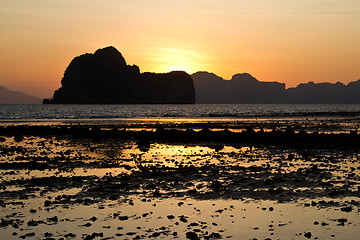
x,y
329,93
244,88
105,78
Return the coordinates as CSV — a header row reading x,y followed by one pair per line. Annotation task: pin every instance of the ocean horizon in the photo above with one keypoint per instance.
x,y
24,112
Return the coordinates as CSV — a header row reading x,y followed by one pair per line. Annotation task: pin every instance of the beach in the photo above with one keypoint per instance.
x,y
181,179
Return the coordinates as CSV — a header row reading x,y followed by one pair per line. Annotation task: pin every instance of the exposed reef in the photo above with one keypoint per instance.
x,y
105,78
108,182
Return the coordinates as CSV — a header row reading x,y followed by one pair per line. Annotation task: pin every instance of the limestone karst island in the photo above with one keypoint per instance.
x,y
105,78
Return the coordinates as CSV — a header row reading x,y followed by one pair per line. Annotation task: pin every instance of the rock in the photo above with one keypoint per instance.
x,y
346,209
32,223
18,138
123,218
183,219
105,78
47,234
70,235
53,219
213,236
192,236
307,235
155,234
32,234
193,224
342,220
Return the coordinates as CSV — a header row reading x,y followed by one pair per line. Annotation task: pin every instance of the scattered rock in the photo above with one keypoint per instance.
x,y
307,235
346,209
123,218
192,236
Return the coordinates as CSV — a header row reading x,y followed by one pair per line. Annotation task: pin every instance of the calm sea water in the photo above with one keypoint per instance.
x,y
196,111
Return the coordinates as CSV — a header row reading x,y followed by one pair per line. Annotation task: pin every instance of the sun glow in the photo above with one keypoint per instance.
x,y
178,59
177,68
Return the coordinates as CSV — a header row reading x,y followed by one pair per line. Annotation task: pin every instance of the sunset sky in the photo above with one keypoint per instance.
x,y
274,40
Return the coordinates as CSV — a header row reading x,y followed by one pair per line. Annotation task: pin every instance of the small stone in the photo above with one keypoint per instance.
x,y
53,219
307,235
215,235
193,224
183,219
123,218
70,235
192,236
346,209
342,220
155,234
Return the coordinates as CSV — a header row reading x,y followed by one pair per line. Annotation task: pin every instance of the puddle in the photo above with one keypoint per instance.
x,y
64,187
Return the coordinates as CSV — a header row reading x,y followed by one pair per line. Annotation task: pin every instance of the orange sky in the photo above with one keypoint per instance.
x,y
274,40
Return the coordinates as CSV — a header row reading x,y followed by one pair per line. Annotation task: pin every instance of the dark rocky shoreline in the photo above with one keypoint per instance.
x,y
47,171
289,137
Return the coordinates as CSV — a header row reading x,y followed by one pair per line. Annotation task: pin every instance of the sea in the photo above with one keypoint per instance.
x,y
48,113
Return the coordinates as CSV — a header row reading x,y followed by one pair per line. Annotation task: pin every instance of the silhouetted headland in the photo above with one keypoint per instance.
x,y
10,97
105,78
244,88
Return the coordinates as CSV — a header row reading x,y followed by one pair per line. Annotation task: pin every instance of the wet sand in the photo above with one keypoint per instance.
x,y
250,180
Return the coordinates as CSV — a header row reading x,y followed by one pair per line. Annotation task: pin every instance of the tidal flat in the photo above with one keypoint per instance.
x,y
249,180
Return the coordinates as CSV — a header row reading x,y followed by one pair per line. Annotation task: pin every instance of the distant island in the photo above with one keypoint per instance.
x,y
11,97
244,88
105,78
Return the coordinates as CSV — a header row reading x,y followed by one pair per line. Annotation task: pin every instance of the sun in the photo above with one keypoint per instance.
x,y
171,68
177,59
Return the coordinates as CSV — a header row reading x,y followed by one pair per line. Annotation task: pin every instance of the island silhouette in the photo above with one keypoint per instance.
x,y
244,88
15,97
105,78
